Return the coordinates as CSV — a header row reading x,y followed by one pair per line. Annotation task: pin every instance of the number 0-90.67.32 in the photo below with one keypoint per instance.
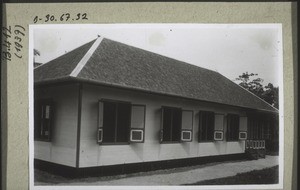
x,y
62,18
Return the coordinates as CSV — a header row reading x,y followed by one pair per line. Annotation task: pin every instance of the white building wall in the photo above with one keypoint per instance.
x,y
62,148
93,154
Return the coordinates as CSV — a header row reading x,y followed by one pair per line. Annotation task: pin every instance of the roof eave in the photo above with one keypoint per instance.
x,y
77,79
53,81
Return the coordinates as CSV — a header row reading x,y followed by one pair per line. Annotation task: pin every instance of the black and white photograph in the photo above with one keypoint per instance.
x,y
164,105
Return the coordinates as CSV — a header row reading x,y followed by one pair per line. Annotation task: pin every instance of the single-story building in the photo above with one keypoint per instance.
x,y
108,104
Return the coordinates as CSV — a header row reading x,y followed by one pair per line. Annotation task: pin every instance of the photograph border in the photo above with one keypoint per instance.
x,y
10,69
163,26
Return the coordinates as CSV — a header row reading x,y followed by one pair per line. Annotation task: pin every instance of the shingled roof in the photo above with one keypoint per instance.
x,y
108,62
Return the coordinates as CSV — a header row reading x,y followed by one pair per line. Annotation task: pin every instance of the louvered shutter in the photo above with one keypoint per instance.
x,y
137,129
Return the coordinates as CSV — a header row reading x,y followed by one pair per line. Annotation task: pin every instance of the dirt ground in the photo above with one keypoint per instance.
x,y
176,176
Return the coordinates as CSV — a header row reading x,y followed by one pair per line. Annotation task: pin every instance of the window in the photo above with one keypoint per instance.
x,y
116,121
233,123
171,124
206,126
120,122
177,125
43,116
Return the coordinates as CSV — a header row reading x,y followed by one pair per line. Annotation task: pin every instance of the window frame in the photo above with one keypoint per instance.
x,y
98,135
200,127
243,139
184,131
102,127
218,131
39,103
137,141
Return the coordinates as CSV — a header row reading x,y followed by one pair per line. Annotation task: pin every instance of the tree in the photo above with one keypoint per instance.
x,y
268,93
36,53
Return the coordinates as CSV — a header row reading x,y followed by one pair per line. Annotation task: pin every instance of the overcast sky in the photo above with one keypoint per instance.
x,y
228,49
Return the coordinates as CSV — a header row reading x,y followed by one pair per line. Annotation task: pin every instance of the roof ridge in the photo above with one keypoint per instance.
x,y
86,57
61,55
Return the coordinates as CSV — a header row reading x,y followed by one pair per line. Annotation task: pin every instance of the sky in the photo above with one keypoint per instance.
x,y
229,49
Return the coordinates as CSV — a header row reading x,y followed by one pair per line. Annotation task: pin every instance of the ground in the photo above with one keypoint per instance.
x,y
261,171
264,176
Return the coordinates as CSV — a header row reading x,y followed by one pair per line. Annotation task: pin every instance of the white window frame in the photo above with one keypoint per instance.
x,y
98,132
218,139
246,135
137,130
186,131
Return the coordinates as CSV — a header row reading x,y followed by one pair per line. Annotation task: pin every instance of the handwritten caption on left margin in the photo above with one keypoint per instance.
x,y
12,43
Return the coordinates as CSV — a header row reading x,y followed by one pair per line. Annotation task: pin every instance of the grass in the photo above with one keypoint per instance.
x,y
264,176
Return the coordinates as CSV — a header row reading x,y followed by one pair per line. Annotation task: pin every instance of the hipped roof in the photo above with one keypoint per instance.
x,y
108,62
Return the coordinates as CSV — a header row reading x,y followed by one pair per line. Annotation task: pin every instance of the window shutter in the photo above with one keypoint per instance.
x,y
137,130
100,122
243,123
100,115
187,126
219,127
219,122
